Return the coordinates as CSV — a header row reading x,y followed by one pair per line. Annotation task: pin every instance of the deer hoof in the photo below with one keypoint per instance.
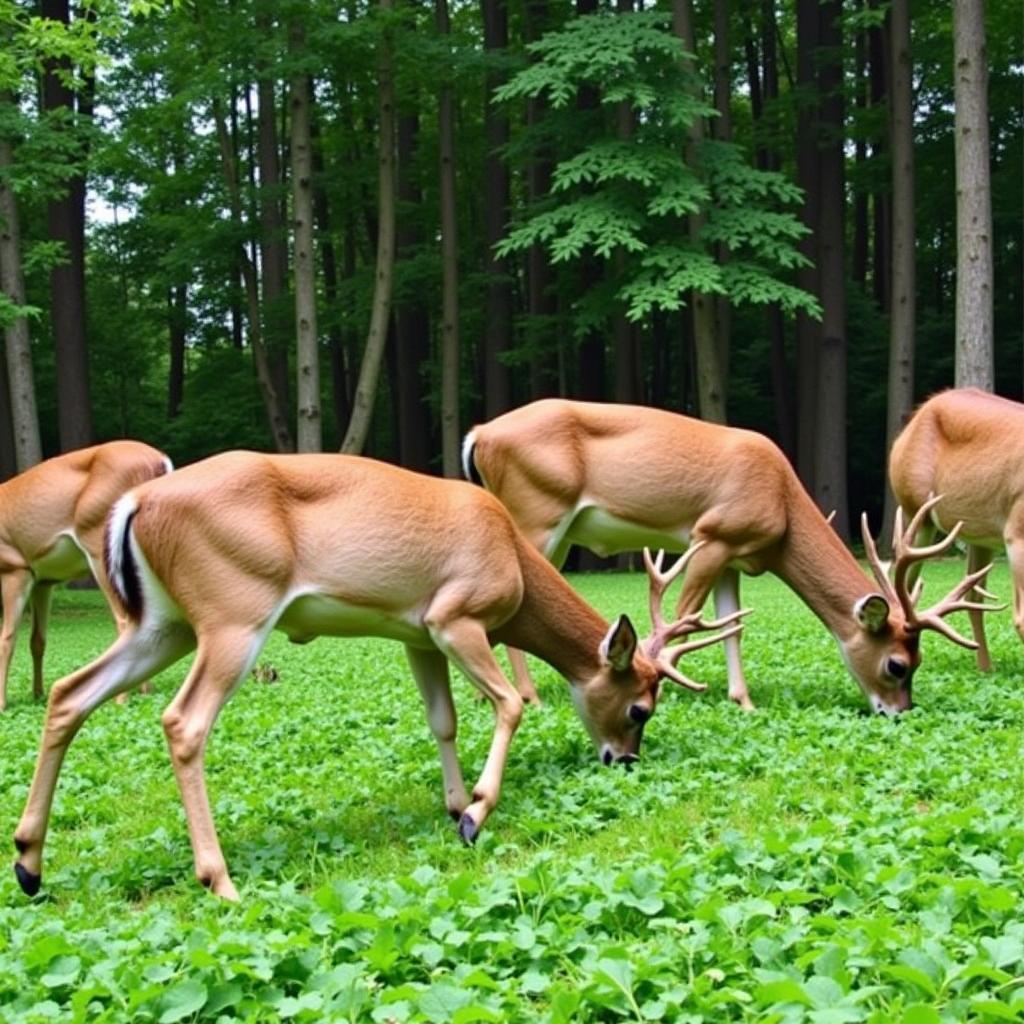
x,y
28,881
468,829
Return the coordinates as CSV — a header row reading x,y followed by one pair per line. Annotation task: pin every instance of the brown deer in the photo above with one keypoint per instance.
x,y
51,530
615,477
967,446
218,554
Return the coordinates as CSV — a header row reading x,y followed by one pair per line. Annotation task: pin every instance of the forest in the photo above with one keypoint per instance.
x,y
366,227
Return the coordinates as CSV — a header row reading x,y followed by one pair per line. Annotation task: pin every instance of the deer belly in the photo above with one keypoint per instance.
x,y
313,615
607,534
64,561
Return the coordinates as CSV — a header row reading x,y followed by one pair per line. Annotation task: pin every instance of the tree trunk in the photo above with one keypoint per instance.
x,y
8,458
902,320
277,314
23,417
177,329
881,214
861,90
830,460
308,434
808,330
66,225
710,371
541,303
329,266
974,353
412,324
449,266
498,310
380,314
722,130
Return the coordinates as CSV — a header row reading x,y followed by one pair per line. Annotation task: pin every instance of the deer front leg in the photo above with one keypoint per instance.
x,y
223,660
727,601
978,558
430,670
15,588
465,642
521,675
133,655
42,596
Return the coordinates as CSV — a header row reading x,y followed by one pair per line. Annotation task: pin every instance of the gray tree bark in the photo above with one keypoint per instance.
x,y
902,317
975,366
380,312
28,449
308,436
450,439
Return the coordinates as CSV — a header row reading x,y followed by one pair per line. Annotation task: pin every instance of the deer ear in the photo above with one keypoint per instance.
x,y
619,645
872,613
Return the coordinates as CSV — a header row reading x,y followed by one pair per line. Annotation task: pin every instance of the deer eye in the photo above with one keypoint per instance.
x,y
896,667
638,713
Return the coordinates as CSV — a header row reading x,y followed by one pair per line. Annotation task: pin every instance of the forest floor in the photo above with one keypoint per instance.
x,y
807,862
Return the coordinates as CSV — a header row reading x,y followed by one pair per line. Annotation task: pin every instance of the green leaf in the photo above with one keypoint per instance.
x,y
181,1001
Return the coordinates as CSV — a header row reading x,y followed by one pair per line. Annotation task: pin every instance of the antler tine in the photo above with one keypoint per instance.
x,y
905,554
671,672
877,568
674,653
661,581
933,618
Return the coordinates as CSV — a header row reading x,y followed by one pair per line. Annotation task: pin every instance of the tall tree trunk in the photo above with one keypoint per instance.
x,y
308,434
498,310
974,349
861,88
808,330
902,319
830,460
878,46
177,329
412,324
66,225
329,267
722,130
449,266
541,303
23,417
277,314
710,371
380,313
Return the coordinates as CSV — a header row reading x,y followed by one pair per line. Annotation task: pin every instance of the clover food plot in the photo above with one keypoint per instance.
x,y
805,863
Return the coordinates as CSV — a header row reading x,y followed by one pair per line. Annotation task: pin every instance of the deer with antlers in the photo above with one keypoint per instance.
x,y
220,553
51,530
968,446
615,477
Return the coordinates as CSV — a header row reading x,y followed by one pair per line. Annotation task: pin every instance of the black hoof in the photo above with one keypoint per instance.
x,y
26,879
468,830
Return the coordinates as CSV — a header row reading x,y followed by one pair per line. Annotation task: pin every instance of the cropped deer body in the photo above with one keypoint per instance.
x,y
968,446
615,477
51,530
223,551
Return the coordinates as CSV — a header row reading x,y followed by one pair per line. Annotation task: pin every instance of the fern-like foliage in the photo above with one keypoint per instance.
x,y
611,196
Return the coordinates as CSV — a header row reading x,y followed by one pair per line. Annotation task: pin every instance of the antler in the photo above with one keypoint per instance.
x,y
663,633
905,554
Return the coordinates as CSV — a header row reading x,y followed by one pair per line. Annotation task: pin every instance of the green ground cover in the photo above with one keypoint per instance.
x,y
804,863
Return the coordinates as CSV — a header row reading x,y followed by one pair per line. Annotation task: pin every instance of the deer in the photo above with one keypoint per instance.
x,y
615,477
51,530
215,556
968,446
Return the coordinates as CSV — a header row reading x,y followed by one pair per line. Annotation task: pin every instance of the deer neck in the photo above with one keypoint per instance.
x,y
553,622
818,566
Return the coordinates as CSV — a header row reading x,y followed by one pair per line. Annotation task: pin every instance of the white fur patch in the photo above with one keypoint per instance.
x,y
467,455
168,465
117,523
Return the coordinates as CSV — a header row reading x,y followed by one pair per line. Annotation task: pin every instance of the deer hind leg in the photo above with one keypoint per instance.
x,y
727,601
703,572
222,662
465,642
15,588
132,657
42,596
978,558
430,670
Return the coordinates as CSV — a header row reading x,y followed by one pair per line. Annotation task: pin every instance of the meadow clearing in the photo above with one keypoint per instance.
x,y
807,862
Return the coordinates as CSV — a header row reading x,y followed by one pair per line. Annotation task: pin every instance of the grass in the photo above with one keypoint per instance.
x,y
805,863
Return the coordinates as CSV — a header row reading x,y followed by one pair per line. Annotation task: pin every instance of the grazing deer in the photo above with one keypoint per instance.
x,y
51,530
220,553
615,477
968,446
